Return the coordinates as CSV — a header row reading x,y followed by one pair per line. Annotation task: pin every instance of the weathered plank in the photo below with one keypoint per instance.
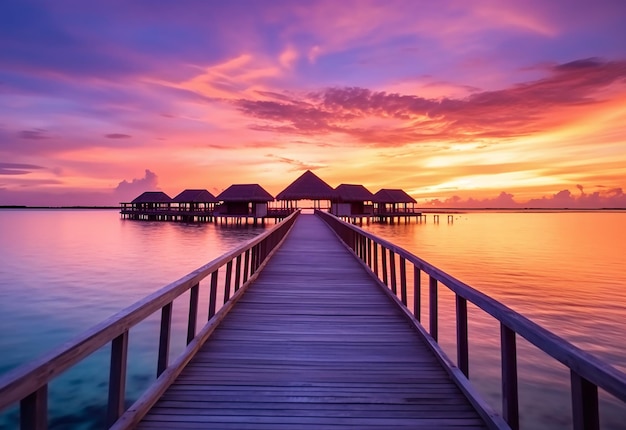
x,y
313,343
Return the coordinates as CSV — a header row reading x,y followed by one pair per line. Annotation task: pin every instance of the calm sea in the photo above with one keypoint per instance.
x,y
62,271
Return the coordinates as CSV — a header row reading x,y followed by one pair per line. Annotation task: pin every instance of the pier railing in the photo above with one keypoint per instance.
x,y
28,384
587,372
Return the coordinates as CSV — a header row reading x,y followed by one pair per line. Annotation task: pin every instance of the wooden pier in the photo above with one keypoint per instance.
x,y
314,343
315,331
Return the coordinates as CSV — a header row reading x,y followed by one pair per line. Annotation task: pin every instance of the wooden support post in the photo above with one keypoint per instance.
x,y
417,293
462,344
229,273
117,377
510,401
213,294
369,252
434,320
34,410
403,295
392,267
193,312
584,403
164,338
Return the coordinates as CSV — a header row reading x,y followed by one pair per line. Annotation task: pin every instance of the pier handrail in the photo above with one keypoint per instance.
x,y
587,372
28,384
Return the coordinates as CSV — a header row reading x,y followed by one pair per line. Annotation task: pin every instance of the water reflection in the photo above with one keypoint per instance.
x,y
562,270
63,271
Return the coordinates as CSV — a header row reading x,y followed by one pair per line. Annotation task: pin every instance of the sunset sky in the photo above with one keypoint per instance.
x,y
460,103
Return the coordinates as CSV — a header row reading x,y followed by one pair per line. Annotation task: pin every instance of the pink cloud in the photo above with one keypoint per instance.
x,y
612,199
127,191
117,136
519,110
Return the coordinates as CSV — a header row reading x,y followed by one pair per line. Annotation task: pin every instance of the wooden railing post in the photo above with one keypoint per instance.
x,y
392,267
117,377
246,266
376,259
164,338
238,272
193,312
584,403
362,243
213,294
403,295
434,320
34,410
369,252
417,293
462,344
510,401
253,257
229,273
383,262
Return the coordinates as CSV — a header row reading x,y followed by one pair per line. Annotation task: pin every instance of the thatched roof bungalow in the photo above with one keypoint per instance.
x,y
352,200
243,200
393,201
195,200
308,186
152,200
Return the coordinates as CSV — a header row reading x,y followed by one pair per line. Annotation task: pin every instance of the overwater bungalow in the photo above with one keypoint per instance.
x,y
150,205
394,203
194,205
352,201
308,187
242,201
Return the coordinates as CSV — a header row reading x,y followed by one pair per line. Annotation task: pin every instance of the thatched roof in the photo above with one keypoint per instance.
x,y
153,197
307,187
387,195
195,196
245,193
352,193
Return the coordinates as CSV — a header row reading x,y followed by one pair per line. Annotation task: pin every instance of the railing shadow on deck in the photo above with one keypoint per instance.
x,y
587,372
28,384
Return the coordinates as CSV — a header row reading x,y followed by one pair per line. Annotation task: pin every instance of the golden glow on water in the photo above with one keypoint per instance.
x,y
563,270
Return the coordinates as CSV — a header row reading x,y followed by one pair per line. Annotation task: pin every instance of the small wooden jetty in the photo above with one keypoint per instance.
x,y
315,330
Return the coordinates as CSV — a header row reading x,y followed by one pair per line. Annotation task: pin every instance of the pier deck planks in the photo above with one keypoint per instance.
x,y
314,343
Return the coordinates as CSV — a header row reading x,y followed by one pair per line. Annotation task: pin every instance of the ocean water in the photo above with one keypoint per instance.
x,y
564,270
62,271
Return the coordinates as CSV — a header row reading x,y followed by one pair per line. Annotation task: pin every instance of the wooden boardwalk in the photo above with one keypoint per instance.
x,y
314,343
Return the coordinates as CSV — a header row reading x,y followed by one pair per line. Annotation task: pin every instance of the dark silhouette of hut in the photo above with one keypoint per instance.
x,y
308,186
389,202
194,205
352,201
150,205
243,200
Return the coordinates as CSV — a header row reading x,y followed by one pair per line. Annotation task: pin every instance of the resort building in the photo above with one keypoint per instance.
x,y
194,205
352,200
150,205
308,187
390,203
243,200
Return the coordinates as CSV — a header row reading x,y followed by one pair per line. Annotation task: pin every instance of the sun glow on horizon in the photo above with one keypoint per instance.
x,y
357,92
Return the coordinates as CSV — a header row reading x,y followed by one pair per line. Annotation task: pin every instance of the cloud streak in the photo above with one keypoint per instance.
x,y
521,110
